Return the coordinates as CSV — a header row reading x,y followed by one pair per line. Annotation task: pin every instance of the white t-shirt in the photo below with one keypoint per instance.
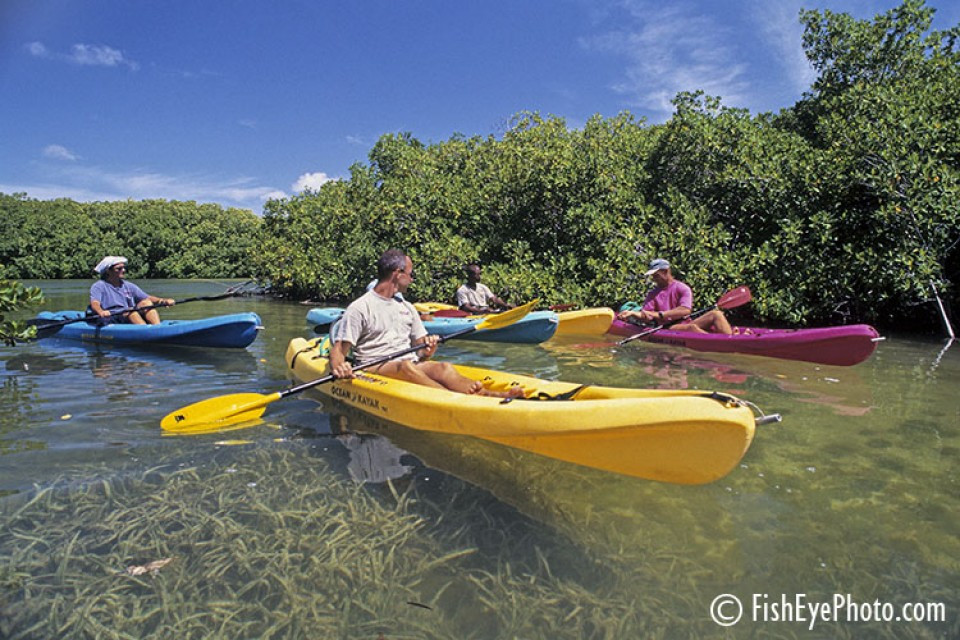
x,y
479,297
378,326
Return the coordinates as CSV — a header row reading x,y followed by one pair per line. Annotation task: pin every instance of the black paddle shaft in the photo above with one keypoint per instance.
x,y
373,363
652,330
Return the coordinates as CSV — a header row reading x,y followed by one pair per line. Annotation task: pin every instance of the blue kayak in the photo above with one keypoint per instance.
x,y
324,316
236,330
533,328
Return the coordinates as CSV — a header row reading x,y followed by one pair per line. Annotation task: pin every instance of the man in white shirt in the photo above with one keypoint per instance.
x,y
379,323
477,298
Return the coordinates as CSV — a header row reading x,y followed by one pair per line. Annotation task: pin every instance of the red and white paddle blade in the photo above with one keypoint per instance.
x,y
736,297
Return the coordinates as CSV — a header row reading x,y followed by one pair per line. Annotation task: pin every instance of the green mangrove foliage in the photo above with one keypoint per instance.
x,y
841,207
13,296
65,239
535,208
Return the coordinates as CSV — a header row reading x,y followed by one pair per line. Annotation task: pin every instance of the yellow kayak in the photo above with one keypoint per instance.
x,y
684,437
594,321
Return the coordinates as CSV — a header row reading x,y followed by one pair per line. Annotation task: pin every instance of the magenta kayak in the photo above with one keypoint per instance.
x,y
842,345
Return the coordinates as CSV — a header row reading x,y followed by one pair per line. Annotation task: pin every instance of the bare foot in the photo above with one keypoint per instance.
x,y
512,392
477,388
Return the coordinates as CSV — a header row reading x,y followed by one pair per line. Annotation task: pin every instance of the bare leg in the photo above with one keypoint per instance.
x,y
450,378
440,375
136,317
692,327
716,322
151,315
711,322
409,371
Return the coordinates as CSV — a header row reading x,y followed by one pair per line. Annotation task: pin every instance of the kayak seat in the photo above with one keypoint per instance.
x,y
316,343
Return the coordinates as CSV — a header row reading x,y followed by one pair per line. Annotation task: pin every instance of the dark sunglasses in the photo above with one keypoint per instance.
x,y
120,268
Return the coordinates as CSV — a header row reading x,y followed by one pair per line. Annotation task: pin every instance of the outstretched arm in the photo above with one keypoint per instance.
x,y
339,366
500,304
647,316
166,302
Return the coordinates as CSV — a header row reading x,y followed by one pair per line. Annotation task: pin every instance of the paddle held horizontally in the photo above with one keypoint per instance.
x,y
224,411
733,298
47,328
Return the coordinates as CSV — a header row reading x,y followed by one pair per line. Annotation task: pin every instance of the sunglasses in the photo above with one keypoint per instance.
x,y
120,268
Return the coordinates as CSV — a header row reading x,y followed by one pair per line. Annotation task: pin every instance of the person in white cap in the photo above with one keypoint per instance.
x,y
112,293
672,301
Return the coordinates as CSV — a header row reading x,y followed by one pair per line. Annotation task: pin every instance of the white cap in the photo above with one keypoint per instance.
x,y
108,262
657,265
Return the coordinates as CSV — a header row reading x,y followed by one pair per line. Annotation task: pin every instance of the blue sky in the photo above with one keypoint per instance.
x,y
238,101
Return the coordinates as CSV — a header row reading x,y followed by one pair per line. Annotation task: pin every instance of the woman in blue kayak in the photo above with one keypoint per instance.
x,y
112,293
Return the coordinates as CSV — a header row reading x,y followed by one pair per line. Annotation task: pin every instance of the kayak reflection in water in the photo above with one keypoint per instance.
x,y
378,324
112,292
672,300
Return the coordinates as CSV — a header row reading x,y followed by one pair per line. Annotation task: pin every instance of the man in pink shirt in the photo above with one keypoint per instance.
x,y
670,301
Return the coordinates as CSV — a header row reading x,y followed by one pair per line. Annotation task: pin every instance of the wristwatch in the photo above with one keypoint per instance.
x,y
660,313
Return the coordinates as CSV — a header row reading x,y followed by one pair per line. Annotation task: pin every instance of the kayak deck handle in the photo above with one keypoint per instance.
x,y
762,418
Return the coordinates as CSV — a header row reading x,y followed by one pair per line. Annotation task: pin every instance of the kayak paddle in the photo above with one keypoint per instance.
x,y
732,299
47,328
222,411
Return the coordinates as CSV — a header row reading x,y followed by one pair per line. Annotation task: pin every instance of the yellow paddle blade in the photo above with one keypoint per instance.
x,y
213,414
498,320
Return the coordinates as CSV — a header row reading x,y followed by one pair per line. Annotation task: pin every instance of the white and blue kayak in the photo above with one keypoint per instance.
x,y
533,328
236,330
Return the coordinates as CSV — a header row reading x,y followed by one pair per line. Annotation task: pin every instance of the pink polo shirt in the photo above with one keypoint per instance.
x,y
676,294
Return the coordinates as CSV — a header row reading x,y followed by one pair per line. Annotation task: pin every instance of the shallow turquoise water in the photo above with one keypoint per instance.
x,y
855,493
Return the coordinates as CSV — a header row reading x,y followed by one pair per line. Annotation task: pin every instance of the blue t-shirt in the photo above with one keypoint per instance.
x,y
112,298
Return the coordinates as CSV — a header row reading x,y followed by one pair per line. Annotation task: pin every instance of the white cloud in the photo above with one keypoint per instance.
x,y
88,183
311,181
273,195
356,140
85,55
59,152
100,55
669,48
248,123
42,191
781,30
37,49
